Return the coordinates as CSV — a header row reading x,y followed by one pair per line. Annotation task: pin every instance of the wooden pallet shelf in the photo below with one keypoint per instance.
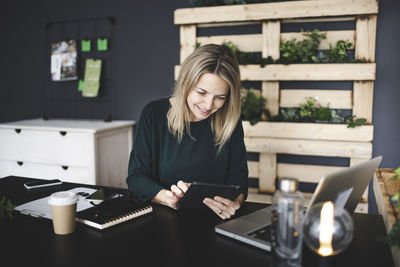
x,y
312,139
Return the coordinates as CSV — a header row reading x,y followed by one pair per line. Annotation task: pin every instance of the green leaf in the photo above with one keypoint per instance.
x,y
397,171
6,208
394,178
353,123
253,106
393,237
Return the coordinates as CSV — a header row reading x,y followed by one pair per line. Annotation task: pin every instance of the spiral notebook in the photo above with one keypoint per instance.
x,y
112,212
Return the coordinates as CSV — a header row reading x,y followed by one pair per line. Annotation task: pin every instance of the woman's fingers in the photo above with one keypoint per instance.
x,y
220,208
177,191
183,186
227,202
213,206
171,200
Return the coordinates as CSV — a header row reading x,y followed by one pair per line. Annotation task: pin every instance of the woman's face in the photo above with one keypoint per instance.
x,y
207,97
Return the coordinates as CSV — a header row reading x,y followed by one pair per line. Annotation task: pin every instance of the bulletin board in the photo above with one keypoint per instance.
x,y
93,40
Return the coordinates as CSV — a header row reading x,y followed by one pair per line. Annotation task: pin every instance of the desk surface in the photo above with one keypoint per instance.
x,y
163,238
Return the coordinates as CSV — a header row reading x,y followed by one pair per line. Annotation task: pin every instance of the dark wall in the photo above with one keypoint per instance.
x,y
386,116
145,48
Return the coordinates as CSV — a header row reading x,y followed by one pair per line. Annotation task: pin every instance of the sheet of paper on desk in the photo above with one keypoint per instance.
x,y
41,208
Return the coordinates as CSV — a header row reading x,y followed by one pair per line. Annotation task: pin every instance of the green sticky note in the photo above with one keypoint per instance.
x,y
81,83
92,78
86,45
102,44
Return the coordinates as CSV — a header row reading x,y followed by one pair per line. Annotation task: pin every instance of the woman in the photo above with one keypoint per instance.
x,y
195,135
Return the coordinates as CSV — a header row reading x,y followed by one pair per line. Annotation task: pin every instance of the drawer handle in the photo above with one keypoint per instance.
x,y
65,167
63,133
20,163
17,131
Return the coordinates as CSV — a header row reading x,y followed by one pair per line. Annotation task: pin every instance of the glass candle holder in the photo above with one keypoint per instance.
x,y
328,230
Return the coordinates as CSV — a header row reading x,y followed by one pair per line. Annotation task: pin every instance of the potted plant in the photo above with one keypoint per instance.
x,y
253,106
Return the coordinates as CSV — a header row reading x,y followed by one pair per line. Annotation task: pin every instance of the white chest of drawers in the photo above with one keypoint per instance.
x,y
81,151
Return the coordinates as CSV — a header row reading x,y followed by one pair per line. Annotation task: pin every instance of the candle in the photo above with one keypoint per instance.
x,y
326,230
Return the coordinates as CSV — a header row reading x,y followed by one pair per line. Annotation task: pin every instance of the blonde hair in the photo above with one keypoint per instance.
x,y
218,60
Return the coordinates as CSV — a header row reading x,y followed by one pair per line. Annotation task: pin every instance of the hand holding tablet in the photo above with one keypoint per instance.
x,y
197,192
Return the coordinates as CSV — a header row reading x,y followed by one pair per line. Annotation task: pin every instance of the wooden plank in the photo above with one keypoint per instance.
x,y
380,198
355,161
325,19
366,38
294,20
309,72
331,37
271,32
224,24
340,99
311,131
188,40
302,172
255,196
245,42
385,208
253,42
306,72
305,173
363,97
278,10
253,169
270,90
308,147
267,172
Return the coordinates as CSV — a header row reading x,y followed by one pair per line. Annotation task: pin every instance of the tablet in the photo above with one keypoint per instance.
x,y
194,196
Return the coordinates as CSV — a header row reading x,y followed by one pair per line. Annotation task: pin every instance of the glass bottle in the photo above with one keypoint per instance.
x,y
288,212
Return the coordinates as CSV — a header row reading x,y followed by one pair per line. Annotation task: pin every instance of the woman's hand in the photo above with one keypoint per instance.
x,y
171,197
223,207
179,189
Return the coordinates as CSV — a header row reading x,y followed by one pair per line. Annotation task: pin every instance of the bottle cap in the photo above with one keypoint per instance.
x,y
288,185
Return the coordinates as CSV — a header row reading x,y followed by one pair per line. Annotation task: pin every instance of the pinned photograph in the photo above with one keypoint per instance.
x,y
63,61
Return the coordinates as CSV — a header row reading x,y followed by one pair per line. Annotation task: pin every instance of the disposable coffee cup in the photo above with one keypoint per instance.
x,y
63,210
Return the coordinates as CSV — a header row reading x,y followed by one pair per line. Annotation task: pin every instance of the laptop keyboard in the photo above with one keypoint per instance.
x,y
263,233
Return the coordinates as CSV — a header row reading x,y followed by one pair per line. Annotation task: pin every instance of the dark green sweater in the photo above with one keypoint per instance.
x,y
158,161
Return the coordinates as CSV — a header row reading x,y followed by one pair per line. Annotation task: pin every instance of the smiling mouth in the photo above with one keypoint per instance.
x,y
202,111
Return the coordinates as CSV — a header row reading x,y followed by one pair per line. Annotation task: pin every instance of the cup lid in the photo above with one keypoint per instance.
x,y
63,198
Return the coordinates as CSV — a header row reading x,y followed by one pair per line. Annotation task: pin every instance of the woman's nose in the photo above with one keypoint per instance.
x,y
208,102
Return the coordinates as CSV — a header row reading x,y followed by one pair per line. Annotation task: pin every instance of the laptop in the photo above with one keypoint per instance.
x,y
344,188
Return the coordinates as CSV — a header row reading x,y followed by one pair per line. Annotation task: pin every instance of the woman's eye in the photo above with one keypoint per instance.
x,y
221,97
201,93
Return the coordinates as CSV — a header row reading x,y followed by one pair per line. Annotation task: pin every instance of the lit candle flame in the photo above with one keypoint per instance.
x,y
326,230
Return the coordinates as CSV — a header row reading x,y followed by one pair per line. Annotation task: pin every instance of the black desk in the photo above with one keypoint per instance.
x,y
163,238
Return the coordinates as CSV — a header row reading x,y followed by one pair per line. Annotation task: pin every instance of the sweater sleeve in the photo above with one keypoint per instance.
x,y
238,171
140,181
